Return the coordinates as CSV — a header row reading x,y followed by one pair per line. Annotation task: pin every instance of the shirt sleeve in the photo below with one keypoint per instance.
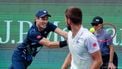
x,y
92,44
52,27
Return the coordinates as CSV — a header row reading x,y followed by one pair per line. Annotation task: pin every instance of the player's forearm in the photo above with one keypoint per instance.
x,y
53,44
64,34
61,32
111,54
96,64
97,60
67,62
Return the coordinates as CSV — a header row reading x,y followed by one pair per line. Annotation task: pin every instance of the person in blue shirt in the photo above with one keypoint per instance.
x,y
109,57
24,52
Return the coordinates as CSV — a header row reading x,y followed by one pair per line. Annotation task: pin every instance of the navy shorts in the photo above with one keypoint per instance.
x,y
106,61
20,60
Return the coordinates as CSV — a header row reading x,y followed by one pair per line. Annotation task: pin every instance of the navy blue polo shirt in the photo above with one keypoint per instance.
x,y
104,45
31,42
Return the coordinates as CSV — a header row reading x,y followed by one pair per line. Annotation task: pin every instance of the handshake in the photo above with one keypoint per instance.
x,y
52,44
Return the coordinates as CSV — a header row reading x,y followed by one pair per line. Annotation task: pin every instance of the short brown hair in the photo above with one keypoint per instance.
x,y
75,14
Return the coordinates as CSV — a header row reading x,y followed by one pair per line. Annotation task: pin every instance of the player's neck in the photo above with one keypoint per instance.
x,y
39,29
75,30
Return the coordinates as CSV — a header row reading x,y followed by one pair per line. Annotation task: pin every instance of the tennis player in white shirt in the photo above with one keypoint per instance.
x,y
83,45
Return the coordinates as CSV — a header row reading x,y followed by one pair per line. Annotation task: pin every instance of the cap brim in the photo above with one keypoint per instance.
x,y
94,22
48,15
45,15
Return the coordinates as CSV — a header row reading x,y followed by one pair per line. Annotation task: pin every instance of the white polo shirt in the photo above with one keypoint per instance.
x,y
81,46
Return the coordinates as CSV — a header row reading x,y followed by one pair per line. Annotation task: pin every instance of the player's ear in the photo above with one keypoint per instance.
x,y
65,19
100,25
69,21
36,19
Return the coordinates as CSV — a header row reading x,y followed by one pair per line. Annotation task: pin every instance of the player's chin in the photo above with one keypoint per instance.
x,y
44,26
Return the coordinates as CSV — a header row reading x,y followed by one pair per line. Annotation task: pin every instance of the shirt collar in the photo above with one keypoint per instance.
x,y
80,32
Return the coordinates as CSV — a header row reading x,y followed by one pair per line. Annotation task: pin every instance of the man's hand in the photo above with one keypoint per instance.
x,y
64,67
48,43
44,42
111,66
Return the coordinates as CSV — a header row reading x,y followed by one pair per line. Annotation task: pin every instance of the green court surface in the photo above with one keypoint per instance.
x,y
15,19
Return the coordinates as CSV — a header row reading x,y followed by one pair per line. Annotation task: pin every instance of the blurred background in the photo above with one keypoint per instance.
x,y
16,16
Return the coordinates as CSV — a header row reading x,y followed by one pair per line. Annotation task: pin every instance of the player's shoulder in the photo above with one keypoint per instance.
x,y
50,23
69,34
105,32
33,30
51,26
87,34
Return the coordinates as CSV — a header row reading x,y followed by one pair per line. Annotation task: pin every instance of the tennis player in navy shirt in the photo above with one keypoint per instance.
x,y
24,53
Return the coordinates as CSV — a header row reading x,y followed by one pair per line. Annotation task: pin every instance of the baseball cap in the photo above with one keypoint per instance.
x,y
42,13
97,20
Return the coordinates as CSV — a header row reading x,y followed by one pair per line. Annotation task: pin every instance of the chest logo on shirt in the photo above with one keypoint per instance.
x,y
38,36
79,40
